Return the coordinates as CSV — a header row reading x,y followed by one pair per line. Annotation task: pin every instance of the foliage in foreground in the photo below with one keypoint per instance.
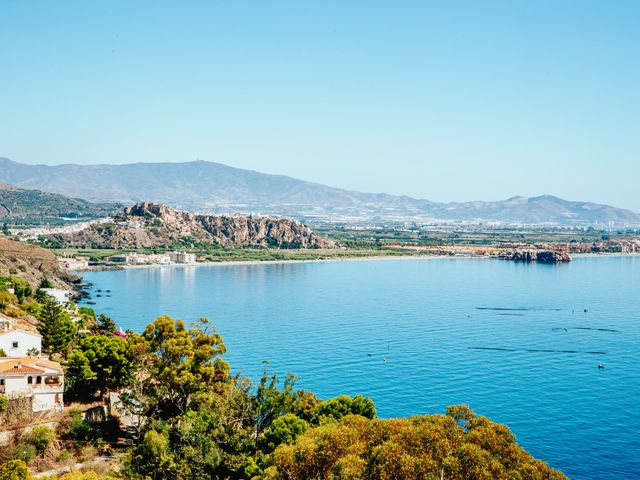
x,y
456,446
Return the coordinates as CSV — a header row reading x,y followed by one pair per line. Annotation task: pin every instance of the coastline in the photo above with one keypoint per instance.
x,y
372,258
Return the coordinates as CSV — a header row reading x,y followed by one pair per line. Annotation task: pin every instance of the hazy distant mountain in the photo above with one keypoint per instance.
x,y
208,186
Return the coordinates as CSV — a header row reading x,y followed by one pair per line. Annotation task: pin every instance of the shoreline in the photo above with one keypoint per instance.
x,y
371,258
223,263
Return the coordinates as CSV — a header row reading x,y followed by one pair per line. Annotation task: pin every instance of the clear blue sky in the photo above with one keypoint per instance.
x,y
439,100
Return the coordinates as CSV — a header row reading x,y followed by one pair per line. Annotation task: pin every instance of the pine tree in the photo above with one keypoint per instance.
x,y
55,326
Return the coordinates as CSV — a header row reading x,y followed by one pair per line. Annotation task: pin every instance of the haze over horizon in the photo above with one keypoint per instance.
x,y
440,102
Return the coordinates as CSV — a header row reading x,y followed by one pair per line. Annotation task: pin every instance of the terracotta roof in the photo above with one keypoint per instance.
x,y
21,369
9,366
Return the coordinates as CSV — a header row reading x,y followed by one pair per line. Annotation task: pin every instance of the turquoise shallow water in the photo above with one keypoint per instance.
x,y
436,322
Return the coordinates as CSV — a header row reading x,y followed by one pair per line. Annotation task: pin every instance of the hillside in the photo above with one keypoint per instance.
x,y
35,206
32,264
214,187
146,225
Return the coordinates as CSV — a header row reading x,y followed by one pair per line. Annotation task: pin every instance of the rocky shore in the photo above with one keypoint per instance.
x,y
540,256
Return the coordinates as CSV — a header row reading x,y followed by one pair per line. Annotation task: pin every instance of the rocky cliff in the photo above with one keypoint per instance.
x,y
540,256
149,225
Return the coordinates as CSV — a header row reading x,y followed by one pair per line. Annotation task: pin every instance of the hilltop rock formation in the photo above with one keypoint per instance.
x,y
149,225
540,256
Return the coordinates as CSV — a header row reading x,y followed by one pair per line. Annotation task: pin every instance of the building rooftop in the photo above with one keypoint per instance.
x,y
28,365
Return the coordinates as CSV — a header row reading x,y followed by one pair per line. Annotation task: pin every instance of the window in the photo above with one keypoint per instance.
x,y
38,380
1,381
30,380
15,344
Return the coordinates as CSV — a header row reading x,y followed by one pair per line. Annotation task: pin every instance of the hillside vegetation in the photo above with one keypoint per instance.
x,y
32,263
32,207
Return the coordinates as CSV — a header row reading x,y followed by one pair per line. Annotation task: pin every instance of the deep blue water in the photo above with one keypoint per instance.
x,y
432,320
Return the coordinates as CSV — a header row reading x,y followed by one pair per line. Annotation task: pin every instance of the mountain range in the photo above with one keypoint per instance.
x,y
214,187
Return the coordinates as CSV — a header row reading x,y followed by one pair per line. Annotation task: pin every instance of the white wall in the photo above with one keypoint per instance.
x,y
62,296
25,342
45,401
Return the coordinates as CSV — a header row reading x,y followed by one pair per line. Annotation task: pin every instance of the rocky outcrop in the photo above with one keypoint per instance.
x,y
149,225
540,256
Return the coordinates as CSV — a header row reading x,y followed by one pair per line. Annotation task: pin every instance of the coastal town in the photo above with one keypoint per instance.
x,y
80,263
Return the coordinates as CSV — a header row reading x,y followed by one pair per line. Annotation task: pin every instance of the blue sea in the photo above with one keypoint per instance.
x,y
519,343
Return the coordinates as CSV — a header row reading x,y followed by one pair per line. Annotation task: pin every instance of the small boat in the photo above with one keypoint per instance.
x,y
601,366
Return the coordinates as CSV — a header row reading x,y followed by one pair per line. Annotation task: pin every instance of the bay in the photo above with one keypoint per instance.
x,y
519,343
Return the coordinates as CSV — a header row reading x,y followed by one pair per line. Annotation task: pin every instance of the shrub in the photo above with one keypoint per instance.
x,y
4,400
6,299
41,437
14,470
23,452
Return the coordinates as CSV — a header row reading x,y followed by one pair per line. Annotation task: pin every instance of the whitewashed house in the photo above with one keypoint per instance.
x,y
18,338
19,343
23,373
40,379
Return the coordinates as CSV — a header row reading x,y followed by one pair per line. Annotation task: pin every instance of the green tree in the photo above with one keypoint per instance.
x,y
106,325
21,288
283,429
98,364
56,327
183,364
427,447
271,402
344,405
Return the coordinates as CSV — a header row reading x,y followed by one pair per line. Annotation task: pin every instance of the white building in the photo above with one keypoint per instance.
x,y
61,296
40,379
19,343
182,257
75,263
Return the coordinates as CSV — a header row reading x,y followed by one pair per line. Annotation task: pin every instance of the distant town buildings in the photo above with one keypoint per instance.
x,y
182,257
74,263
154,259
